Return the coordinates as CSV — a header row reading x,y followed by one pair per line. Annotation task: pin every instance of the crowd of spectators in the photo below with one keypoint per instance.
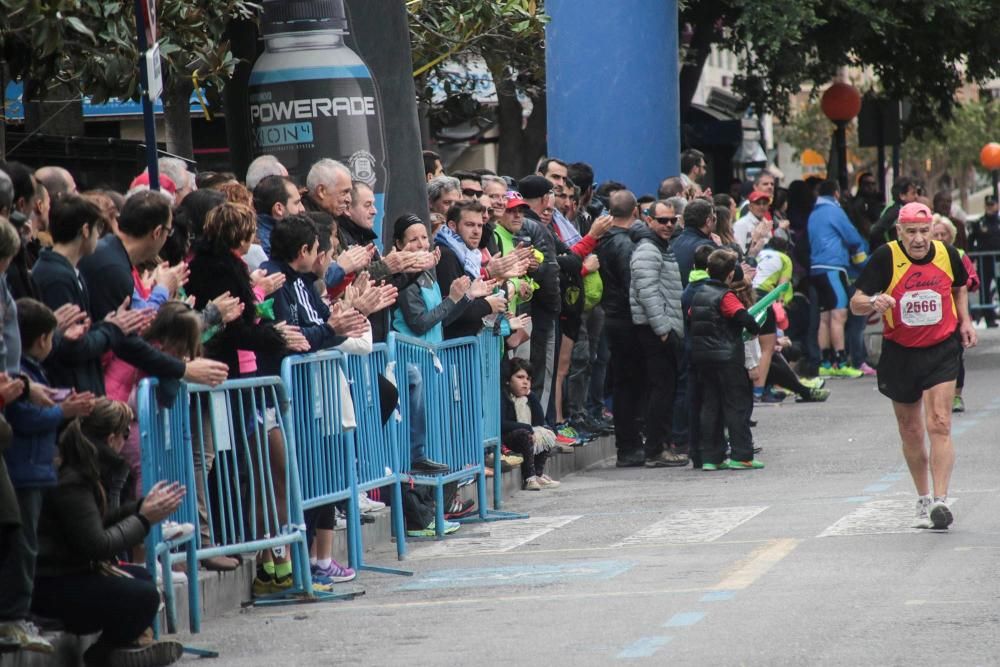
x,y
619,314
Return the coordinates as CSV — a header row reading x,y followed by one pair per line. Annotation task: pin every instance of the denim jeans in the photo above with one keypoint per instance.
x,y
418,420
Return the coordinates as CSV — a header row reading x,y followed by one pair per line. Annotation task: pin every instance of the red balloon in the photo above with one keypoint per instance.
x,y
989,157
841,102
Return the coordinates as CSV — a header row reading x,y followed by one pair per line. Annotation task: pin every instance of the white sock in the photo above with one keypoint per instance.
x,y
324,563
312,561
941,499
926,500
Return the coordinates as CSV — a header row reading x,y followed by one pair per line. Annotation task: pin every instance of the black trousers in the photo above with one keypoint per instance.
x,y
782,375
521,442
626,391
118,607
661,362
726,401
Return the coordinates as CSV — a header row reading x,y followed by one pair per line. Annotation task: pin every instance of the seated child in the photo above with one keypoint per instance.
x,y
522,425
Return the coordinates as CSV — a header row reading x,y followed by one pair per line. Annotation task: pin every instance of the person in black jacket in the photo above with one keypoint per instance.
x,y
615,254
143,227
217,268
78,540
718,319
75,225
458,242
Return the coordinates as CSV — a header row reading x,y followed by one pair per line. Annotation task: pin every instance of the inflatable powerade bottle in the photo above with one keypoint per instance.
x,y
311,97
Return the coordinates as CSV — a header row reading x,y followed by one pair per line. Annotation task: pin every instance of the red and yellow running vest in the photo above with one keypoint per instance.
x,y
925,312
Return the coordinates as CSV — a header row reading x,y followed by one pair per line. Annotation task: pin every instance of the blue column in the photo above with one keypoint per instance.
x,y
612,88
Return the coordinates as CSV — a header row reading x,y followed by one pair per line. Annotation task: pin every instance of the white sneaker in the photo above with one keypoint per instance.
x,y
547,482
923,516
940,515
366,504
175,576
26,635
533,484
172,530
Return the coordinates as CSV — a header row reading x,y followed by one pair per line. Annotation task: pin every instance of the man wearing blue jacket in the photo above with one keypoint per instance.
x,y
835,245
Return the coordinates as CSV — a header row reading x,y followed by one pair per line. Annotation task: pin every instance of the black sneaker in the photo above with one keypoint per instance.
x,y
429,467
631,459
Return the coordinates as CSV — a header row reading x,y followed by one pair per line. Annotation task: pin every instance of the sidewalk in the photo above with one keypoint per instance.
x,y
225,593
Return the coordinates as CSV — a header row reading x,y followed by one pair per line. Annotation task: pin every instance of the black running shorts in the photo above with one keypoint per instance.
x,y
904,373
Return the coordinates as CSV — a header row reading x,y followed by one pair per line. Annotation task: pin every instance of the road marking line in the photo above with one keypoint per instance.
x,y
492,538
757,564
885,516
857,499
877,488
684,619
717,596
644,648
517,575
693,526
492,599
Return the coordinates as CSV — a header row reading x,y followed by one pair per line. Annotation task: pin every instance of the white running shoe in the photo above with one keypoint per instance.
x,y
172,530
547,482
366,504
923,515
25,635
940,515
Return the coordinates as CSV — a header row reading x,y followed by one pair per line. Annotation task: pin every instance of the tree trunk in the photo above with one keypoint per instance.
x,y
48,112
177,117
510,119
698,52
535,136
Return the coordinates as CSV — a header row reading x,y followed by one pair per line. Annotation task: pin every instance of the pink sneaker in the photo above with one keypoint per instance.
x,y
866,369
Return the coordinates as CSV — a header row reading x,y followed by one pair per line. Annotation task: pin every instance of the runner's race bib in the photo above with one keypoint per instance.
x,y
921,308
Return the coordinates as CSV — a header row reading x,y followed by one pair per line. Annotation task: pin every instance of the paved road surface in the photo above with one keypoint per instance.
x,y
810,561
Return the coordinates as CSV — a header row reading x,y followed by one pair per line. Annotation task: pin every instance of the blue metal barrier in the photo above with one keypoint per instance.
x,y
336,462
243,422
376,445
454,405
165,441
491,350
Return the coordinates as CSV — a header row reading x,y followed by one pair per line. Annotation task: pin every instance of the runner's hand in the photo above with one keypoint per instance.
x,y
882,303
968,333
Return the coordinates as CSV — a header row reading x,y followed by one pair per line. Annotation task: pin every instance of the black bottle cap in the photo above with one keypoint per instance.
x,y
282,16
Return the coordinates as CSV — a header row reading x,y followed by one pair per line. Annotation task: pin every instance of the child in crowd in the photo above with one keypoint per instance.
x,y
718,319
522,425
176,330
31,464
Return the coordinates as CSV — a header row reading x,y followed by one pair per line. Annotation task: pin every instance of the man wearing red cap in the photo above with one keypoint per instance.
x,y
918,285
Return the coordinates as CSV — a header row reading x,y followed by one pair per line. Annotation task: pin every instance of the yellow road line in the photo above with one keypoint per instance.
x,y
757,564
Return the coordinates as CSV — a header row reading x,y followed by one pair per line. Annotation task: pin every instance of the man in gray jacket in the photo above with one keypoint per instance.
x,y
655,298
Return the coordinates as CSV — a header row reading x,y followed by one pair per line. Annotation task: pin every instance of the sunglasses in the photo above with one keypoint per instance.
x,y
667,220
761,202
469,192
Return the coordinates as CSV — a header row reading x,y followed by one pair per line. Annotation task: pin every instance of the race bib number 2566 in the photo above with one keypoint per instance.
x,y
921,308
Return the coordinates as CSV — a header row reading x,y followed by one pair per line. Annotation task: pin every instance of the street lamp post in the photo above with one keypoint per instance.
x,y
841,102
989,157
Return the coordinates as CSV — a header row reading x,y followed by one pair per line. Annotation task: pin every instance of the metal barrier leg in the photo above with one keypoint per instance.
x,y
194,591
399,520
168,591
439,510
497,477
397,517
486,515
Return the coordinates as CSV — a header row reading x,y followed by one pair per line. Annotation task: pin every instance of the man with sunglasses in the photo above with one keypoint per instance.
x,y
471,185
655,293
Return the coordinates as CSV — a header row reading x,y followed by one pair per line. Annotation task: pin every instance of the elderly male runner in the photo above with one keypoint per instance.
x,y
918,285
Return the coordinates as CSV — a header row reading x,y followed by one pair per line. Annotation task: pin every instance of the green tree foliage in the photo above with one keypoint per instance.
x,y
922,50
91,45
509,36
